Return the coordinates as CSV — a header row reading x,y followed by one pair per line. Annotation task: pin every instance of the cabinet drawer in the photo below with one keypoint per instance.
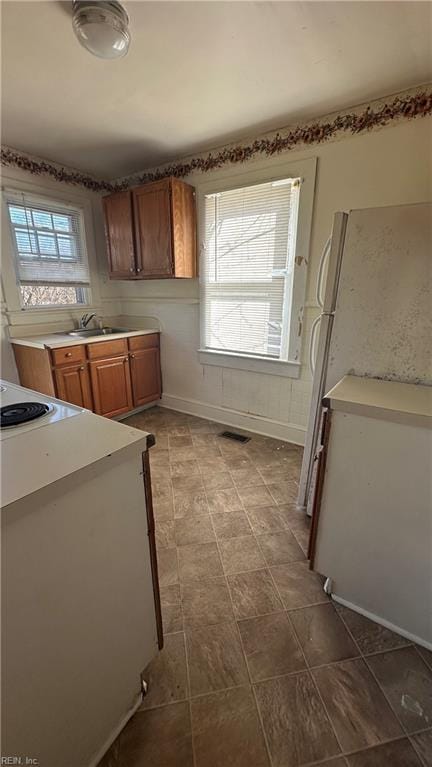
x,y
136,343
107,348
68,354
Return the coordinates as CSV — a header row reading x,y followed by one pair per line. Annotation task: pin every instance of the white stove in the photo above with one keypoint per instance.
x,y
24,409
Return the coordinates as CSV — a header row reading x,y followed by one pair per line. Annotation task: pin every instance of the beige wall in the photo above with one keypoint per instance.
x,y
385,167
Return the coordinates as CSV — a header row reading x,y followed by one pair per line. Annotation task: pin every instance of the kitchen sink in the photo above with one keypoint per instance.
x,y
84,333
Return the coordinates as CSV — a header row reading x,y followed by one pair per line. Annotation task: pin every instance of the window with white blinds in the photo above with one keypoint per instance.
x,y
49,242
247,274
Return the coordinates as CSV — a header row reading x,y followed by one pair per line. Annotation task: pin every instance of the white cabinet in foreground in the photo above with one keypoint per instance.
x,y
80,601
372,518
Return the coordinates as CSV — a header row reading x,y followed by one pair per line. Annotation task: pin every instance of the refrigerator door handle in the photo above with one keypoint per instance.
x,y
313,335
322,346
322,263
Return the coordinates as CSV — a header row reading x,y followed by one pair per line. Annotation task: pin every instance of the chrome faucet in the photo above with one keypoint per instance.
x,y
85,319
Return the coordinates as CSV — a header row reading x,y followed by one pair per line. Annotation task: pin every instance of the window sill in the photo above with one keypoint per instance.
x,y
246,362
56,308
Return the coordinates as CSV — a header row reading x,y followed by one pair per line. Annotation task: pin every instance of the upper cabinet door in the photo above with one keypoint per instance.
x,y
184,228
119,235
152,212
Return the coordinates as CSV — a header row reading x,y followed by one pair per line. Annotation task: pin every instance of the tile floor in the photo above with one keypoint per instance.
x,y
259,668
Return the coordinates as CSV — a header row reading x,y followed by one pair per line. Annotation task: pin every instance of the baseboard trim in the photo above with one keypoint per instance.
x,y
286,432
135,411
383,622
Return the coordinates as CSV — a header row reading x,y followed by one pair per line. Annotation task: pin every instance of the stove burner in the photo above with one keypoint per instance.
x,y
21,412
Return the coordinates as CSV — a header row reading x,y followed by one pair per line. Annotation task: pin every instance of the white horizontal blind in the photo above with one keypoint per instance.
x,y
248,268
49,241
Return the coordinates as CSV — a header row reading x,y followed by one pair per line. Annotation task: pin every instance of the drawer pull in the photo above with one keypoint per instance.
x,y
68,354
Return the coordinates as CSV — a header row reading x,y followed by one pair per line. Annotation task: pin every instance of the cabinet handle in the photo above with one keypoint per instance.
x,y
133,356
138,270
68,354
125,359
82,367
131,269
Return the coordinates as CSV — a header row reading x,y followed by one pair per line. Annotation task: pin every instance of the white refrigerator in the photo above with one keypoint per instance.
x,y
374,291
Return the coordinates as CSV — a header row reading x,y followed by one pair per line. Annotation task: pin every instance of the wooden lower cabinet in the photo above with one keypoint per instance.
x,y
73,385
111,385
110,377
145,375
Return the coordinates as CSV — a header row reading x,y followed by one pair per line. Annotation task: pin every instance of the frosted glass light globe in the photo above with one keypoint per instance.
x,y
102,28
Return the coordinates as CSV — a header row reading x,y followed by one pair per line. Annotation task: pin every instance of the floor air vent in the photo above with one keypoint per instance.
x,y
233,435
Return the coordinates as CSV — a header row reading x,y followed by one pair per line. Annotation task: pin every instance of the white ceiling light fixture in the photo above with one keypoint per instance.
x,y
101,27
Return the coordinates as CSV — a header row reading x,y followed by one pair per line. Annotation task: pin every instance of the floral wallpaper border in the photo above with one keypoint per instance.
x,y
15,159
408,106
376,115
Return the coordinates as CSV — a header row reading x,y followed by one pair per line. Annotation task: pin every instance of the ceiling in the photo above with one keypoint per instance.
x,y
198,74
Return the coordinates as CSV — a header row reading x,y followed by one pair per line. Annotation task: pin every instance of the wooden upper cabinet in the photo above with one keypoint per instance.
x,y
119,235
161,241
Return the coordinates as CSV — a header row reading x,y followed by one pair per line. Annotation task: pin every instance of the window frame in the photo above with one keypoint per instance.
x,y
306,170
16,313
8,194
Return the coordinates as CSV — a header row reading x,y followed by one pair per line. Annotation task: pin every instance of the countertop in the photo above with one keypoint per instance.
x,y
38,457
57,340
388,400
